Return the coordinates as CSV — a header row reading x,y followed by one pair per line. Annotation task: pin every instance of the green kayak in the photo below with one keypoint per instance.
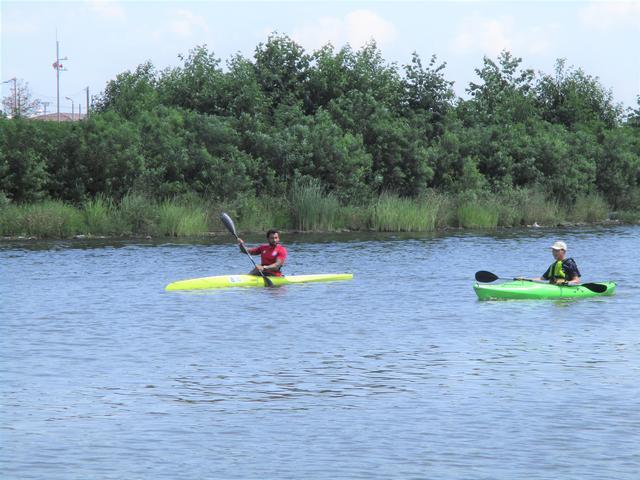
x,y
522,290
225,281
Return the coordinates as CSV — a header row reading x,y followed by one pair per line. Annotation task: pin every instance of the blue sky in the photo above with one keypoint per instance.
x,y
104,38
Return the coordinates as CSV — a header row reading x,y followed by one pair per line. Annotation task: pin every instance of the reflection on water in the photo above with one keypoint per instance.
x,y
400,373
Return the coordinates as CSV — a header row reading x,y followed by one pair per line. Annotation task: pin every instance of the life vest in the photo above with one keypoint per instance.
x,y
556,272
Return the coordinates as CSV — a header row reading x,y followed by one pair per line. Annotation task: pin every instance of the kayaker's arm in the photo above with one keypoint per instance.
x,y
274,266
244,249
559,281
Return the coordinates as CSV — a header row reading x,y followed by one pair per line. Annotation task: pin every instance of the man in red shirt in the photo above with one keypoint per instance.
x,y
272,255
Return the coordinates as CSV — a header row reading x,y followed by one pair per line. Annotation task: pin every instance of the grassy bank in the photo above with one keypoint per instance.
x,y
305,208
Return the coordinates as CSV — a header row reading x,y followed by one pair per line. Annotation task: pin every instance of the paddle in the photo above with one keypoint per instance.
x,y
226,220
488,277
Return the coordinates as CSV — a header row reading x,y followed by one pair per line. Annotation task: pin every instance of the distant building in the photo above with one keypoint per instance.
x,y
64,117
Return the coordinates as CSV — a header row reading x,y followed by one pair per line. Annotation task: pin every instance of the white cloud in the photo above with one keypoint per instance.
x,y
608,15
186,23
355,28
490,36
108,9
363,25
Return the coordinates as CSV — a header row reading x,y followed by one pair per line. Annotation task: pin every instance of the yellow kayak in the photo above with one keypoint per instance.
x,y
226,281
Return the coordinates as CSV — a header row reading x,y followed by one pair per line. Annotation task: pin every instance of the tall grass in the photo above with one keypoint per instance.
x,y
48,219
307,207
312,209
525,206
355,217
100,218
477,214
590,209
628,216
178,220
392,213
537,209
258,214
138,214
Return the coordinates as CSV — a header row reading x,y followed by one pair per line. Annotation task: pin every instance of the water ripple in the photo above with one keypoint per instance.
x,y
400,373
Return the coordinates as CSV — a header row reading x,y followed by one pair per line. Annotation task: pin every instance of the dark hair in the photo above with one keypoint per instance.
x,y
269,232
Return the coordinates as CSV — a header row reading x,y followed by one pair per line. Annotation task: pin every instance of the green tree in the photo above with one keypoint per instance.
x,y
618,162
505,94
100,156
197,85
282,69
428,95
23,167
571,98
131,93
19,102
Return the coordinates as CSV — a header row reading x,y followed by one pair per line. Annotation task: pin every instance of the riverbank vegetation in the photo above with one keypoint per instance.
x,y
306,210
327,140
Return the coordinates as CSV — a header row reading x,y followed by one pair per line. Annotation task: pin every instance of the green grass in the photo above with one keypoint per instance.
x,y
355,217
259,214
590,209
628,216
48,219
474,214
391,213
100,217
137,214
178,220
537,209
307,208
312,209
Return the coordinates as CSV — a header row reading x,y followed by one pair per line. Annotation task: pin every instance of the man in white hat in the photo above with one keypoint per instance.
x,y
563,271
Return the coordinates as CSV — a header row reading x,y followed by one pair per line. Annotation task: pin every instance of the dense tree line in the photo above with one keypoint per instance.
x,y
347,118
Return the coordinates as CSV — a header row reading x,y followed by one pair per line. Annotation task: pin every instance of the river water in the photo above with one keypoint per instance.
x,y
399,374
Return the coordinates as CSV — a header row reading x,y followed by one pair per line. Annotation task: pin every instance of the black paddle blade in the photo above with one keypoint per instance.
x,y
486,277
267,281
226,220
595,287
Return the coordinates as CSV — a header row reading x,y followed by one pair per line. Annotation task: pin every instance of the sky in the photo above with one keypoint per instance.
x,y
104,38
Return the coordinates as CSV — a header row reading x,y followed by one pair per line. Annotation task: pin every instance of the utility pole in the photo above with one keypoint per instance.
x,y
87,89
72,107
79,111
16,106
46,104
57,66
15,94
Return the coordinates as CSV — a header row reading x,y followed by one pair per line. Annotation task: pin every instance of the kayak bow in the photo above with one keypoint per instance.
x,y
225,281
521,290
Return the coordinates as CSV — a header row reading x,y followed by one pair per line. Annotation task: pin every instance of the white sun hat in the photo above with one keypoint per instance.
x,y
559,246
